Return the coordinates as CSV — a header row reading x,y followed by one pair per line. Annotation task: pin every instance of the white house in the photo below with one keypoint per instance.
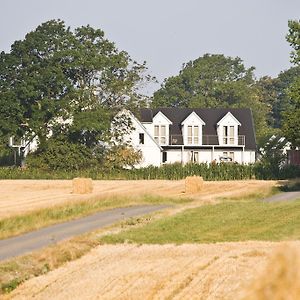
x,y
169,135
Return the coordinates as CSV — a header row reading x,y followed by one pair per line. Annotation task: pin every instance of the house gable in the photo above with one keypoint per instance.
x,y
160,118
229,119
193,118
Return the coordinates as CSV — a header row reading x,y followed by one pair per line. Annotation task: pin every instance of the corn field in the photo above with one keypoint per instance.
x,y
223,171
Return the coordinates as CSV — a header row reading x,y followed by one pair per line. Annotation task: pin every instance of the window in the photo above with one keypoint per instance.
x,y
225,133
156,133
141,138
227,156
160,134
193,135
228,135
163,134
194,156
164,156
231,135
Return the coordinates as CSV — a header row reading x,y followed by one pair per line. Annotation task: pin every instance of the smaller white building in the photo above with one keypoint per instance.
x,y
184,135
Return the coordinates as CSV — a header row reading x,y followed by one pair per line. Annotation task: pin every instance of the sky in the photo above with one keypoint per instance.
x,y
168,33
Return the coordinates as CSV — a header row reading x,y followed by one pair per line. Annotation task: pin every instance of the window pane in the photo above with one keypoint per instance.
x,y
156,130
141,138
224,130
231,131
196,156
163,140
163,130
196,140
231,155
189,139
196,130
189,130
164,157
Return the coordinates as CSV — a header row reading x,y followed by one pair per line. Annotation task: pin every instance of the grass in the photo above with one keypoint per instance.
x,y
224,222
16,225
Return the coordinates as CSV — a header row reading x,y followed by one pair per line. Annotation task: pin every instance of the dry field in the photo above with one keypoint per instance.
x,y
21,196
207,271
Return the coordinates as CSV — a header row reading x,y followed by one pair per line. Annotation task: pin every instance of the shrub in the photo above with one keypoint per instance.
x,y
61,155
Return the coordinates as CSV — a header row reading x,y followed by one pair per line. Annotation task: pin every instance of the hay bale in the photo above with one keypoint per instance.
x,y
82,186
280,279
193,184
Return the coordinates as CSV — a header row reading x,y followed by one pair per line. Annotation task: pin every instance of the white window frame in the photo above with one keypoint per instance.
x,y
192,138
159,136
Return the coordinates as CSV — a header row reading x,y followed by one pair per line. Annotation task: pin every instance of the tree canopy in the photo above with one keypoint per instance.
x,y
291,124
67,82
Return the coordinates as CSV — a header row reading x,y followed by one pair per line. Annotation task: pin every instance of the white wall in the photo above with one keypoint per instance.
x,y
150,150
207,155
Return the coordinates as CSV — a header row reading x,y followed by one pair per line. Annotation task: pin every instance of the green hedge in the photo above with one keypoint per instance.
x,y
223,171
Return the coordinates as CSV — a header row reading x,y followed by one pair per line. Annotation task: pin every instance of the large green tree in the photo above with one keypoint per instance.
x,y
291,124
275,92
215,81
66,83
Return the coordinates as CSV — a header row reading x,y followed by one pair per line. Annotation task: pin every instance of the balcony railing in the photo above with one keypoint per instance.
x,y
209,140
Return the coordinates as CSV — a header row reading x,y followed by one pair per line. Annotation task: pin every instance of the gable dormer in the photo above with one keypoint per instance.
x,y
227,129
192,129
161,128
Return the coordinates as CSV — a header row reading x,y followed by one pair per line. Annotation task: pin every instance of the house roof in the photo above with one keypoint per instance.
x,y
211,116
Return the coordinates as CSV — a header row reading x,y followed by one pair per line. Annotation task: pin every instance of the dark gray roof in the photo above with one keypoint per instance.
x,y
211,116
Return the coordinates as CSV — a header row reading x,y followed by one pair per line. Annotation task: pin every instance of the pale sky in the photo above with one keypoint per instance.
x,y
168,33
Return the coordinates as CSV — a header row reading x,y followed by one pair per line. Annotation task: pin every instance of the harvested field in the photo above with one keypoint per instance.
x,y
21,196
207,271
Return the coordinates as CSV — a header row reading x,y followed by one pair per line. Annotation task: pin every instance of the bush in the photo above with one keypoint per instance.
x,y
61,155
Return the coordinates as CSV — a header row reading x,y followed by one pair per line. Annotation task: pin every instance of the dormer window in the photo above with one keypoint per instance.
x,y
192,129
193,135
228,135
227,129
161,128
160,134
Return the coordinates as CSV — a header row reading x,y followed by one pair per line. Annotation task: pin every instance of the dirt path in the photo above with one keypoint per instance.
x,y
207,271
50,235
21,196
285,196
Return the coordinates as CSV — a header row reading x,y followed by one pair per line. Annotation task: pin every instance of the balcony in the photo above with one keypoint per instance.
x,y
210,140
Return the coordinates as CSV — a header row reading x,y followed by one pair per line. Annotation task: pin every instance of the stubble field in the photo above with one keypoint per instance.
x,y
133,271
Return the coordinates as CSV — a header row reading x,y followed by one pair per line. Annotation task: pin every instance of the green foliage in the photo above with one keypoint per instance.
x,y
273,157
291,127
226,222
223,171
215,81
57,81
276,94
11,285
62,155
122,156
293,38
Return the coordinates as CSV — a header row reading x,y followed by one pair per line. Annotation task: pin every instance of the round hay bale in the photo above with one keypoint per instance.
x,y
82,186
193,184
281,278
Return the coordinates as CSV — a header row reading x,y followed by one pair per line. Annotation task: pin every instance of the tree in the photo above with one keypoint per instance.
x,y
61,82
275,92
291,127
214,81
